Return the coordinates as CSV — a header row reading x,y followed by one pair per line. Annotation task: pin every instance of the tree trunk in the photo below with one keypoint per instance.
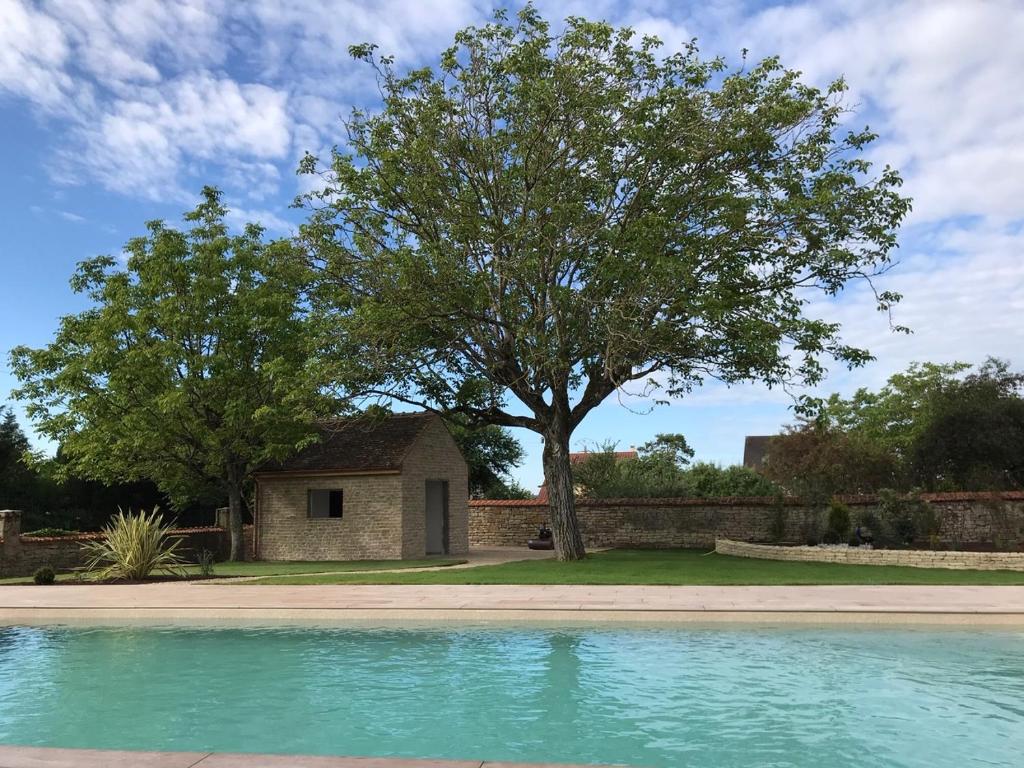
x,y
235,522
562,496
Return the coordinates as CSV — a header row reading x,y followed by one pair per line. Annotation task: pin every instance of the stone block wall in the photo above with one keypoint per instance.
x,y
434,456
370,527
967,519
914,558
22,555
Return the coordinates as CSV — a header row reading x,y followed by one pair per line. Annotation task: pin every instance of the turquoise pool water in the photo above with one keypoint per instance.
x,y
641,696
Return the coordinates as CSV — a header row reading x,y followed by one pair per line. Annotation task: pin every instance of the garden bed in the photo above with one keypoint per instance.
x,y
843,554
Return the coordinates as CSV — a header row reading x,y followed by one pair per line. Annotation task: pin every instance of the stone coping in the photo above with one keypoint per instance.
x,y
511,603
741,501
51,757
913,558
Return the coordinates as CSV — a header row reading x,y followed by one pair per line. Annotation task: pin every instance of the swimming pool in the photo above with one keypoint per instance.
x,y
642,696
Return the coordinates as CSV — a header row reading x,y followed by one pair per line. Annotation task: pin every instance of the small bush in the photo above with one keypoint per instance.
x,y
838,523
205,562
44,575
133,547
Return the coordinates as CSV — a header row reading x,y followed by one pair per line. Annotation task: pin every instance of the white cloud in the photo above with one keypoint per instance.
x,y
140,145
33,52
163,96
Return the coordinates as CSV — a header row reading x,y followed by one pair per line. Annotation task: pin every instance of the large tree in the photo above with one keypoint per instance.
x,y
194,365
973,438
17,479
546,219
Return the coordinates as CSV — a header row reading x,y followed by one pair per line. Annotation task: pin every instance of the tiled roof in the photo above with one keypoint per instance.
x,y
755,448
359,444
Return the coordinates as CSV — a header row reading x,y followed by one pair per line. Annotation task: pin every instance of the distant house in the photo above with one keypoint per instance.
x,y
581,456
755,449
371,488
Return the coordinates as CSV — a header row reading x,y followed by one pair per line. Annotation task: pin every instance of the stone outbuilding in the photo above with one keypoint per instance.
x,y
372,488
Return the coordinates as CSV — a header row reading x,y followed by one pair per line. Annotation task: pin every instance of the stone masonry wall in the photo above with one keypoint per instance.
x,y
22,555
915,558
370,527
434,456
967,519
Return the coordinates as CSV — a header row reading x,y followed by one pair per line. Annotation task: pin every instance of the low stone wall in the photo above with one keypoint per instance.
x,y
915,558
967,519
22,555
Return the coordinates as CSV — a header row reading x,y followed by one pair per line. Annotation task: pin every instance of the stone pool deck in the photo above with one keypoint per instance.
x,y
44,757
972,605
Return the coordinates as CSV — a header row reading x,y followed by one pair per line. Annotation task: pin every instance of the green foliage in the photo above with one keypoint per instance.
x,y
895,416
196,363
817,463
19,483
47,533
545,218
660,473
707,480
838,527
974,436
44,575
133,547
931,427
904,517
671,448
205,560
491,453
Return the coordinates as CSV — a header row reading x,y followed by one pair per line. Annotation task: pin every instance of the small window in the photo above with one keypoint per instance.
x,y
323,504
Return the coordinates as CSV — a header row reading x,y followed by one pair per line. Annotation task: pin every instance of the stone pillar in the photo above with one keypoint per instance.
x,y
222,518
10,532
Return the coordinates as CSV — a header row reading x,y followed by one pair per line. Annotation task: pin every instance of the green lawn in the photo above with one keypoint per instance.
x,y
288,567
678,566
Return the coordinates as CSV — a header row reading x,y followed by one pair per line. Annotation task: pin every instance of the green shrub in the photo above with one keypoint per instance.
x,y
838,529
51,533
133,547
44,575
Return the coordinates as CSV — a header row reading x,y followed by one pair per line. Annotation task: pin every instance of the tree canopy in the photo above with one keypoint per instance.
x,y
195,364
17,481
934,426
663,469
548,218
491,452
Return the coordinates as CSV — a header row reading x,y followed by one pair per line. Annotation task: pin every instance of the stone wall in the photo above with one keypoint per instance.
x,y
434,456
370,527
915,558
967,519
22,555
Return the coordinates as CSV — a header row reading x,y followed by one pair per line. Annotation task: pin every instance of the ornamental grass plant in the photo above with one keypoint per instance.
x,y
133,547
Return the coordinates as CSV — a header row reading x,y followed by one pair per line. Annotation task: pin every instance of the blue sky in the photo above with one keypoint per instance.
x,y
113,113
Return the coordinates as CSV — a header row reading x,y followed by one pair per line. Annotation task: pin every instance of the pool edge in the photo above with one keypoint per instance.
x,y
60,614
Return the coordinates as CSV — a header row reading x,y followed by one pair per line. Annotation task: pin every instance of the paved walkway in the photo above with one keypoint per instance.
x,y
949,604
42,757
